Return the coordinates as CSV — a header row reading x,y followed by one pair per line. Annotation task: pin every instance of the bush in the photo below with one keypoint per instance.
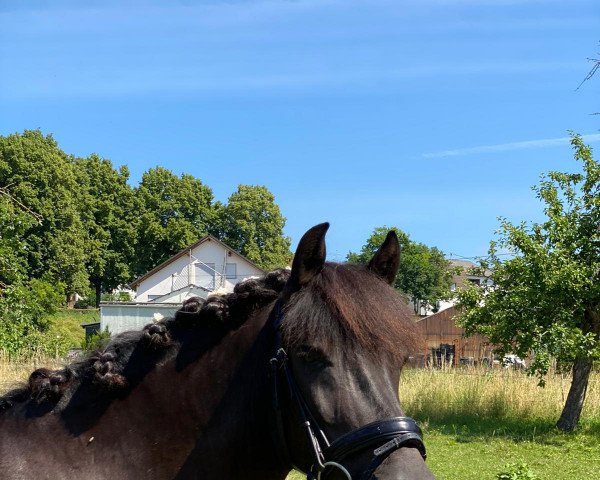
x,y
24,317
48,295
95,341
516,471
119,296
89,301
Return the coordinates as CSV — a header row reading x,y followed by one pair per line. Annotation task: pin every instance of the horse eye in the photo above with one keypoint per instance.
x,y
311,355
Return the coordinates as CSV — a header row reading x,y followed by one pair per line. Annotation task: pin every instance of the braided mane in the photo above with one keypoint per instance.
x,y
105,368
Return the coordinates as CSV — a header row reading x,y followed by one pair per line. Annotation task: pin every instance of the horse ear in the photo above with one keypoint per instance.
x,y
310,256
386,260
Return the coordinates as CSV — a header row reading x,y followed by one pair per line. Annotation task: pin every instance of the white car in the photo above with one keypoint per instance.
x,y
513,361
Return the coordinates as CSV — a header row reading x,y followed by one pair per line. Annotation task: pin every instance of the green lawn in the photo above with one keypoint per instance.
x,y
460,453
475,421
77,316
65,327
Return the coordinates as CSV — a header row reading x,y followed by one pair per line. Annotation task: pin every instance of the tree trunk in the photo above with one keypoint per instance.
x,y
98,285
572,410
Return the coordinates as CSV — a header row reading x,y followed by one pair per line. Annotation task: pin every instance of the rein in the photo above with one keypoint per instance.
x,y
381,438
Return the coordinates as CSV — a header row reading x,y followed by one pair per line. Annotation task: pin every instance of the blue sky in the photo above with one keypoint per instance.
x,y
435,116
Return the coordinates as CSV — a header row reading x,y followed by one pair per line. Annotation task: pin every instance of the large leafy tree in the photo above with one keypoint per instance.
x,y
14,221
252,223
107,209
545,300
174,212
424,274
40,178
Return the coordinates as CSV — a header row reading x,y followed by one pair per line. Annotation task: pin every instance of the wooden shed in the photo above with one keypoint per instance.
x,y
446,339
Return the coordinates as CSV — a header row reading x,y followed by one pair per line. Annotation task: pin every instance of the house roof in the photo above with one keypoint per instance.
x,y
465,273
179,290
445,314
185,251
461,263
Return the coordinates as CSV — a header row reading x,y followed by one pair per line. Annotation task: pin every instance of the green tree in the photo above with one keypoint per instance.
x,y
174,212
13,224
545,299
41,179
424,274
108,212
252,224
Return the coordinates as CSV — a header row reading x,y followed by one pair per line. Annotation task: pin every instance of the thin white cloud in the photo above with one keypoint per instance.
x,y
176,78
60,17
506,147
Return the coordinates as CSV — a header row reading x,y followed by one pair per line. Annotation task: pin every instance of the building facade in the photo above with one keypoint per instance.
x,y
207,267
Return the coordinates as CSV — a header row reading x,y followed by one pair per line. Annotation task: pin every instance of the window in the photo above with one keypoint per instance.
x,y
205,275
231,270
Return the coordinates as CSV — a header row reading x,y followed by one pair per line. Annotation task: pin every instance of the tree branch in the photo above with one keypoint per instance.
x,y
592,72
38,218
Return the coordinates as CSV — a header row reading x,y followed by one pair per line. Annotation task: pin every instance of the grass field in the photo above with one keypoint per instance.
x,y
476,421
65,326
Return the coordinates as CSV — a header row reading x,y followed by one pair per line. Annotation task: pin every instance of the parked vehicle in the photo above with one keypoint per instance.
x,y
512,361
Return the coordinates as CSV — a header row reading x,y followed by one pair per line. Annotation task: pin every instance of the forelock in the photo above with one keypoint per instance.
x,y
346,306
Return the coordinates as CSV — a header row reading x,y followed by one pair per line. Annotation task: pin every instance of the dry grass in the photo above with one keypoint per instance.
x,y
442,394
14,371
435,394
477,420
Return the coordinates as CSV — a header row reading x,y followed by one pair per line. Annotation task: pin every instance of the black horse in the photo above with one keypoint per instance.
x,y
296,369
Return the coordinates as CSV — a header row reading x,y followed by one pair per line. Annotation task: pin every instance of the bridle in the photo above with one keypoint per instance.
x,y
380,438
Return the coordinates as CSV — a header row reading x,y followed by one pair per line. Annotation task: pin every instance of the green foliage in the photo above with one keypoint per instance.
x,y
41,180
424,274
174,212
95,341
545,299
64,332
116,297
25,318
516,471
89,301
49,296
109,215
14,222
252,224
76,222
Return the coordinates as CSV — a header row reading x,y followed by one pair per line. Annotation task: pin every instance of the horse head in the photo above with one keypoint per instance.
x,y
342,335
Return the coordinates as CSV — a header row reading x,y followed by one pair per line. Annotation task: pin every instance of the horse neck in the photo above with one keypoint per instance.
x,y
234,406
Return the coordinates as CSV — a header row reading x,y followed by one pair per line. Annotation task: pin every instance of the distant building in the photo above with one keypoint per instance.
x,y
447,343
458,280
207,266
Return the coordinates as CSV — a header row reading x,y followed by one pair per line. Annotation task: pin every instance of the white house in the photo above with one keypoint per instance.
x,y
463,277
207,266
